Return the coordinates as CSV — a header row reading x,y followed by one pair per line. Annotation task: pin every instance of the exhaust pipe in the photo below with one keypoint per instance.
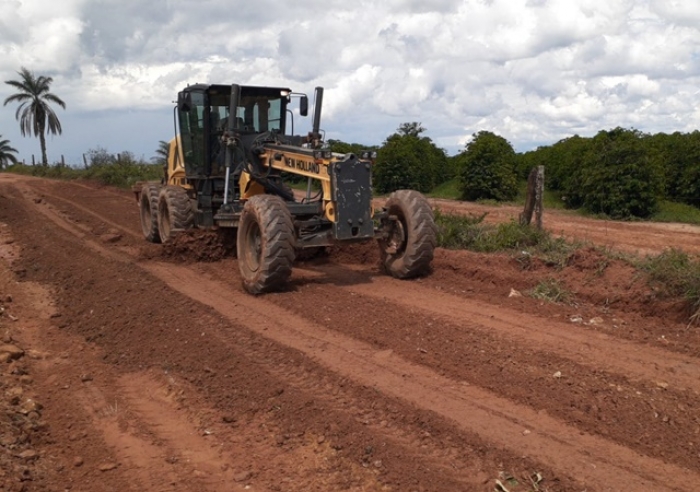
x,y
318,104
232,111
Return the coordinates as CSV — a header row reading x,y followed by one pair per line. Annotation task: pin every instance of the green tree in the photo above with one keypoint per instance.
x,y
678,154
618,178
687,185
7,152
488,168
161,156
347,148
412,129
34,113
408,160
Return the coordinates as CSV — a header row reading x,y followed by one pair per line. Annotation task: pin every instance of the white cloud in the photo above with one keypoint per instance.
x,y
531,70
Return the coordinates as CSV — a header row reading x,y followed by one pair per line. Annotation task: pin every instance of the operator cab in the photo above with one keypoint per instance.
x,y
203,116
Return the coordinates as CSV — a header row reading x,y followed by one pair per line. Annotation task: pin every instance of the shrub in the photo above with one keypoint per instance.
x,y
488,168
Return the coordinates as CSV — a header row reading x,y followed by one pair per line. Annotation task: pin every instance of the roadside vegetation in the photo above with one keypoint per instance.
x,y
472,233
120,170
672,274
676,274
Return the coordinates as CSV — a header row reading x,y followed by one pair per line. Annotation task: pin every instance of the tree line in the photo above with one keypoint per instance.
x,y
621,173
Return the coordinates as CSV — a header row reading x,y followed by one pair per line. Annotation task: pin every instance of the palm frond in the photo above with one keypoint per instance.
x,y
34,113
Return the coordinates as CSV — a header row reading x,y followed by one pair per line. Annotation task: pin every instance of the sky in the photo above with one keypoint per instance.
x,y
531,71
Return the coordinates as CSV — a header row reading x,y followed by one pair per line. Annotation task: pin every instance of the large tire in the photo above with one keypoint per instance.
x,y
148,206
265,244
174,212
407,250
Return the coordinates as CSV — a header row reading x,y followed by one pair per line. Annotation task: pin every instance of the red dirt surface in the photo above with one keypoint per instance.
x,y
128,367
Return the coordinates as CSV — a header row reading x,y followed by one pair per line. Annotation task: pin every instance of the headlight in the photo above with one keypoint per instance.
x,y
323,154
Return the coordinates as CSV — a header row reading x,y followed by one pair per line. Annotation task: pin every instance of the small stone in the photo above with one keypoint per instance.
x,y
8,298
243,476
557,375
26,379
29,406
78,461
14,394
13,350
321,439
111,238
377,464
7,440
35,354
86,377
515,293
662,385
229,419
526,432
29,455
107,467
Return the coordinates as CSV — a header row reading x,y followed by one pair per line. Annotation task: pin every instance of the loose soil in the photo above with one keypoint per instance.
x,y
132,366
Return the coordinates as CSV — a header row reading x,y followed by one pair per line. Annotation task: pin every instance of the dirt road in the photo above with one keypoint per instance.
x,y
128,367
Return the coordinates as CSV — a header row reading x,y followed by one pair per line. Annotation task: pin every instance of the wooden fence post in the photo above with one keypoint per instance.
x,y
533,199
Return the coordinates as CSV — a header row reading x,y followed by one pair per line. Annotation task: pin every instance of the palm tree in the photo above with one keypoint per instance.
x,y
161,156
6,157
34,113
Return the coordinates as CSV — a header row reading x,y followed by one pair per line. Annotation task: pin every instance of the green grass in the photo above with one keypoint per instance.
x,y
551,290
448,190
677,212
122,175
470,232
675,274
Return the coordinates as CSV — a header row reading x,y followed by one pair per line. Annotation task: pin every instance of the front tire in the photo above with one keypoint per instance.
x,y
148,207
174,212
410,235
265,244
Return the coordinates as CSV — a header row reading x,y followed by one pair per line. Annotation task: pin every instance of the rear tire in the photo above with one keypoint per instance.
x,y
148,206
265,244
174,212
407,251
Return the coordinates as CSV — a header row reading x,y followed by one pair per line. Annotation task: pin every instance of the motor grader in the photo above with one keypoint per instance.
x,y
226,169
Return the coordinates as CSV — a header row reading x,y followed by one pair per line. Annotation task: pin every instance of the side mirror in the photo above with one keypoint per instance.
x,y
304,106
184,101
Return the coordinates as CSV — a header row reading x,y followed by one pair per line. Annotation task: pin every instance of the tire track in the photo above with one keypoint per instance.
x,y
589,459
588,348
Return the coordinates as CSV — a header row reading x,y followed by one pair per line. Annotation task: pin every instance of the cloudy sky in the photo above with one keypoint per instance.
x,y
532,71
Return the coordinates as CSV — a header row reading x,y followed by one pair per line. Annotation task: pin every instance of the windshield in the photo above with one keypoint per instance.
x,y
254,113
204,119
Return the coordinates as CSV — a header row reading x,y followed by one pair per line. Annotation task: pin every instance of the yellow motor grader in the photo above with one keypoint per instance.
x,y
226,169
